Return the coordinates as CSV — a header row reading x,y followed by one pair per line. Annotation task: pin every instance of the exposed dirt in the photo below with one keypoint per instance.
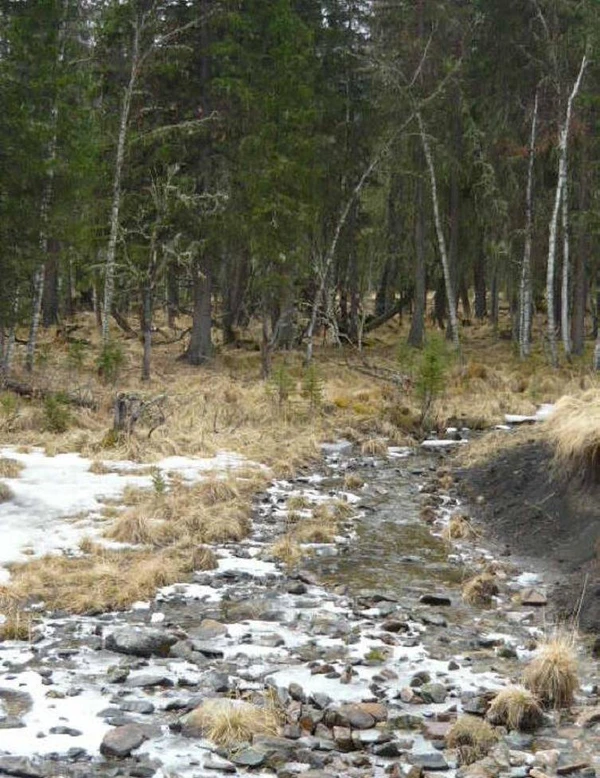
x,y
534,513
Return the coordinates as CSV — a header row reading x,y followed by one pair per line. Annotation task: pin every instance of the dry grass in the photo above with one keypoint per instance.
x,y
6,493
287,550
459,528
315,532
16,626
374,447
10,468
552,674
488,446
472,737
480,590
298,502
516,708
353,481
574,431
104,580
230,723
213,490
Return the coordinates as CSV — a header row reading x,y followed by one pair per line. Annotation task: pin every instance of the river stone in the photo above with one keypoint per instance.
x,y
214,762
144,707
433,692
296,692
352,716
148,680
122,741
435,599
320,700
140,641
343,738
249,757
391,749
208,629
533,598
428,761
20,766
117,674
207,649
394,625
436,730
62,730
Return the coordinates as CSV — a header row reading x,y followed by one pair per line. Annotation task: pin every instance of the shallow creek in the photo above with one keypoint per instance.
x,y
376,618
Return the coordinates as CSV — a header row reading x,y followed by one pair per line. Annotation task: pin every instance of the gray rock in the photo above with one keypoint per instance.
x,y
296,692
209,629
214,762
435,599
117,674
428,761
137,706
391,749
140,641
120,742
147,681
61,730
249,757
320,700
20,766
433,692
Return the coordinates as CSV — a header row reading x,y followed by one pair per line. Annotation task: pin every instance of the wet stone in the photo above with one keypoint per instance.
x,y
61,730
249,757
20,766
208,630
435,599
147,680
140,641
428,761
214,762
144,707
433,693
120,742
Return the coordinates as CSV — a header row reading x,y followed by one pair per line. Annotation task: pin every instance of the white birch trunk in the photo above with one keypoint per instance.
x,y
565,318
440,235
553,229
10,342
111,252
525,301
47,194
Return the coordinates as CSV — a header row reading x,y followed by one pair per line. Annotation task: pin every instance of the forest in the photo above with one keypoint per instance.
x,y
313,167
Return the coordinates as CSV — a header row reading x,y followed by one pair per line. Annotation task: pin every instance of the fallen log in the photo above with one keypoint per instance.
x,y
37,393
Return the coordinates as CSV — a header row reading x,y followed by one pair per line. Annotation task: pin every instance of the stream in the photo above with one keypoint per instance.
x,y
367,648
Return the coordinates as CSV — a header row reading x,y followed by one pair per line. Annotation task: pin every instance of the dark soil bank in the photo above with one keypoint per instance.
x,y
535,514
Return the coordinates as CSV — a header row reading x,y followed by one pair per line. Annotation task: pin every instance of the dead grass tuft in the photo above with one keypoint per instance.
x,y
516,708
6,492
574,431
480,590
287,550
98,467
552,674
459,528
213,490
298,502
135,528
374,447
10,468
427,514
473,739
353,481
229,723
17,625
314,532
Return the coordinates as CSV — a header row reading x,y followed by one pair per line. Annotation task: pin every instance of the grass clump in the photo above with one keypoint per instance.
x,y
287,550
6,493
315,532
573,429
353,481
516,708
374,447
480,590
10,468
298,502
473,739
230,723
552,674
459,528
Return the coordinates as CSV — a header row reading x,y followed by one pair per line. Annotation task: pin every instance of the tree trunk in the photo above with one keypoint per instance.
x,y
525,294
50,298
565,324
111,252
416,335
553,229
146,330
479,283
453,319
199,350
172,295
581,259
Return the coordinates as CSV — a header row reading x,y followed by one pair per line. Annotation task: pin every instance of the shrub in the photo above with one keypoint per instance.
x,y
57,416
110,362
10,468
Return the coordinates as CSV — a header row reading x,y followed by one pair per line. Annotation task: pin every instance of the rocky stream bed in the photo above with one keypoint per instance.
x,y
367,648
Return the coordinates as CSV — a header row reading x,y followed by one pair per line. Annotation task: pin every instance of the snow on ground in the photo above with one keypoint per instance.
x,y
57,499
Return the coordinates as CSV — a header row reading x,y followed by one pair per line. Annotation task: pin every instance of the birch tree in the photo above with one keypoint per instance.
x,y
553,227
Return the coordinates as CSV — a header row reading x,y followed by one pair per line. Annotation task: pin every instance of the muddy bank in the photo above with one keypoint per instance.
x,y
539,517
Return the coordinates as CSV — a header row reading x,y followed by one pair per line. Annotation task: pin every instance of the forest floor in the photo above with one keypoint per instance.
x,y
372,398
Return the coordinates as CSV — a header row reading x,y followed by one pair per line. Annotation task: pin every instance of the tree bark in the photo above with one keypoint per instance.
x,y
479,283
525,295
580,260
453,319
199,349
565,308
416,335
111,252
553,229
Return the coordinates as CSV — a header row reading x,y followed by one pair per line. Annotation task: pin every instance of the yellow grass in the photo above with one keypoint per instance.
x,y
374,447
480,590
459,527
573,429
353,481
552,674
315,532
297,502
473,739
516,708
287,550
10,468
105,579
229,723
